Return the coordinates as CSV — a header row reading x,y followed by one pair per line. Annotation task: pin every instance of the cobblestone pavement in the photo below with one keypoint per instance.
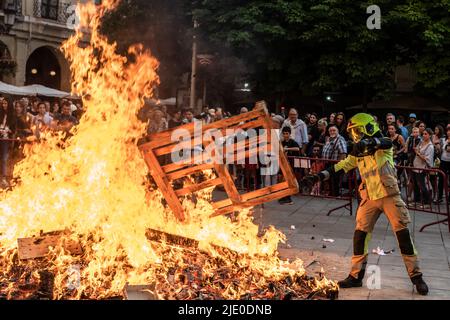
x,y
306,224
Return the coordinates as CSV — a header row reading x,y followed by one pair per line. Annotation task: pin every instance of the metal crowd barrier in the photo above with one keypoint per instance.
x,y
341,187
414,191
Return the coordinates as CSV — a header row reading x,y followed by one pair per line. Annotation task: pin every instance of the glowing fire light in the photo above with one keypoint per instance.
x,y
95,186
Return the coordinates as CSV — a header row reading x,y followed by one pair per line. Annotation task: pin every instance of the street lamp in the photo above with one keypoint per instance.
x,y
9,16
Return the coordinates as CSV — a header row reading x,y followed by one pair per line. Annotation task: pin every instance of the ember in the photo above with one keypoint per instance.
x,y
95,185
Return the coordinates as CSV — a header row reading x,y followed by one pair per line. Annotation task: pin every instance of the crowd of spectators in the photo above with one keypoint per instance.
x,y
415,144
325,137
24,120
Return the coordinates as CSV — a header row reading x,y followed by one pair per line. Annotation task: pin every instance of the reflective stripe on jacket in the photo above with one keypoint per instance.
x,y
377,171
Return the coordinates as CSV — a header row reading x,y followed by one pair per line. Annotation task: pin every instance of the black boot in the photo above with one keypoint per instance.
x,y
350,282
421,286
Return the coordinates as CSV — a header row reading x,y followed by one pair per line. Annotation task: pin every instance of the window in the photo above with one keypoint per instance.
x,y
49,9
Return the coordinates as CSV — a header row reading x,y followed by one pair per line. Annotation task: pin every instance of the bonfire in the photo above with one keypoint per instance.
x,y
92,189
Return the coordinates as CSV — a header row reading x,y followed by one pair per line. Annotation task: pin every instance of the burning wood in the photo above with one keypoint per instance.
x,y
162,144
185,271
199,285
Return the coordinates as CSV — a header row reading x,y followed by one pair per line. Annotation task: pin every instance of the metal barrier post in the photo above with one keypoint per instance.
x,y
422,208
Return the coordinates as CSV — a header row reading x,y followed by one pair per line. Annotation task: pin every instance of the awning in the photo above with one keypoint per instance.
x,y
32,90
40,90
10,89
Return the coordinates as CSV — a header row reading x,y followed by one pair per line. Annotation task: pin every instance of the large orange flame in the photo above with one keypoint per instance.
x,y
95,184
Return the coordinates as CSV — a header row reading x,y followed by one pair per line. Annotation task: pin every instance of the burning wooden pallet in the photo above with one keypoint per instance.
x,y
190,282
165,174
38,247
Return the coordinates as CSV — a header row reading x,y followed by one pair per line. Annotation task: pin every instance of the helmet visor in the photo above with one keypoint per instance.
x,y
356,134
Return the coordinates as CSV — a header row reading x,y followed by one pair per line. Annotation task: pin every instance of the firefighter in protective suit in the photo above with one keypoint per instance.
x,y
373,155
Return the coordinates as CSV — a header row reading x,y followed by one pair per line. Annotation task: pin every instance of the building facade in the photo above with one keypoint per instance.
x,y
31,33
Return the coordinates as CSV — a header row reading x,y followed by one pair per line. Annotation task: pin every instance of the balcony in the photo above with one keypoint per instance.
x,y
52,10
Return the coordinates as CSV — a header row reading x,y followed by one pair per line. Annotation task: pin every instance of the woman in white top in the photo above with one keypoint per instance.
x,y
445,163
6,119
424,159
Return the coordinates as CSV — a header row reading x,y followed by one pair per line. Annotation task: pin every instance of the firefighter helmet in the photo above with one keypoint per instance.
x,y
362,125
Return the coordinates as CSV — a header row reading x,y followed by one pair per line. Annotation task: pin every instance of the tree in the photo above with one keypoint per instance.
x,y
163,27
314,46
431,22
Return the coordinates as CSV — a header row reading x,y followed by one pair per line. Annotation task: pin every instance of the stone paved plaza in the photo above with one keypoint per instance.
x,y
309,217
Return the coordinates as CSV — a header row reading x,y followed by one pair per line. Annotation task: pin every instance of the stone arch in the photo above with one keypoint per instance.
x,y
47,65
7,63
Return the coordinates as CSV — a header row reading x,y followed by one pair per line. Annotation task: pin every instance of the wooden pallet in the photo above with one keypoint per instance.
x,y
38,247
160,146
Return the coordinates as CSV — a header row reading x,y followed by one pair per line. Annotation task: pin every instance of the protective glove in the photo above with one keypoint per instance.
x,y
364,146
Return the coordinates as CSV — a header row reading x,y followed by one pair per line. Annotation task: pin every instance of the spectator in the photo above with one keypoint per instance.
x,y
43,117
42,120
34,108
270,178
438,140
188,116
411,143
424,159
397,142
47,106
323,130
211,116
22,120
341,124
55,109
175,121
313,132
299,130
283,112
332,118
335,149
292,149
243,110
422,126
277,122
444,165
412,121
6,130
157,122
403,130
316,167
336,146
219,114
73,108
306,120
390,119
64,121
78,112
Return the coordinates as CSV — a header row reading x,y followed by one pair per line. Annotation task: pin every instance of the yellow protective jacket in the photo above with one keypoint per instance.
x,y
378,173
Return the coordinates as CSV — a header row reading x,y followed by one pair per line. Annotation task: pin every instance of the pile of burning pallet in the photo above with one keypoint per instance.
x,y
28,272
